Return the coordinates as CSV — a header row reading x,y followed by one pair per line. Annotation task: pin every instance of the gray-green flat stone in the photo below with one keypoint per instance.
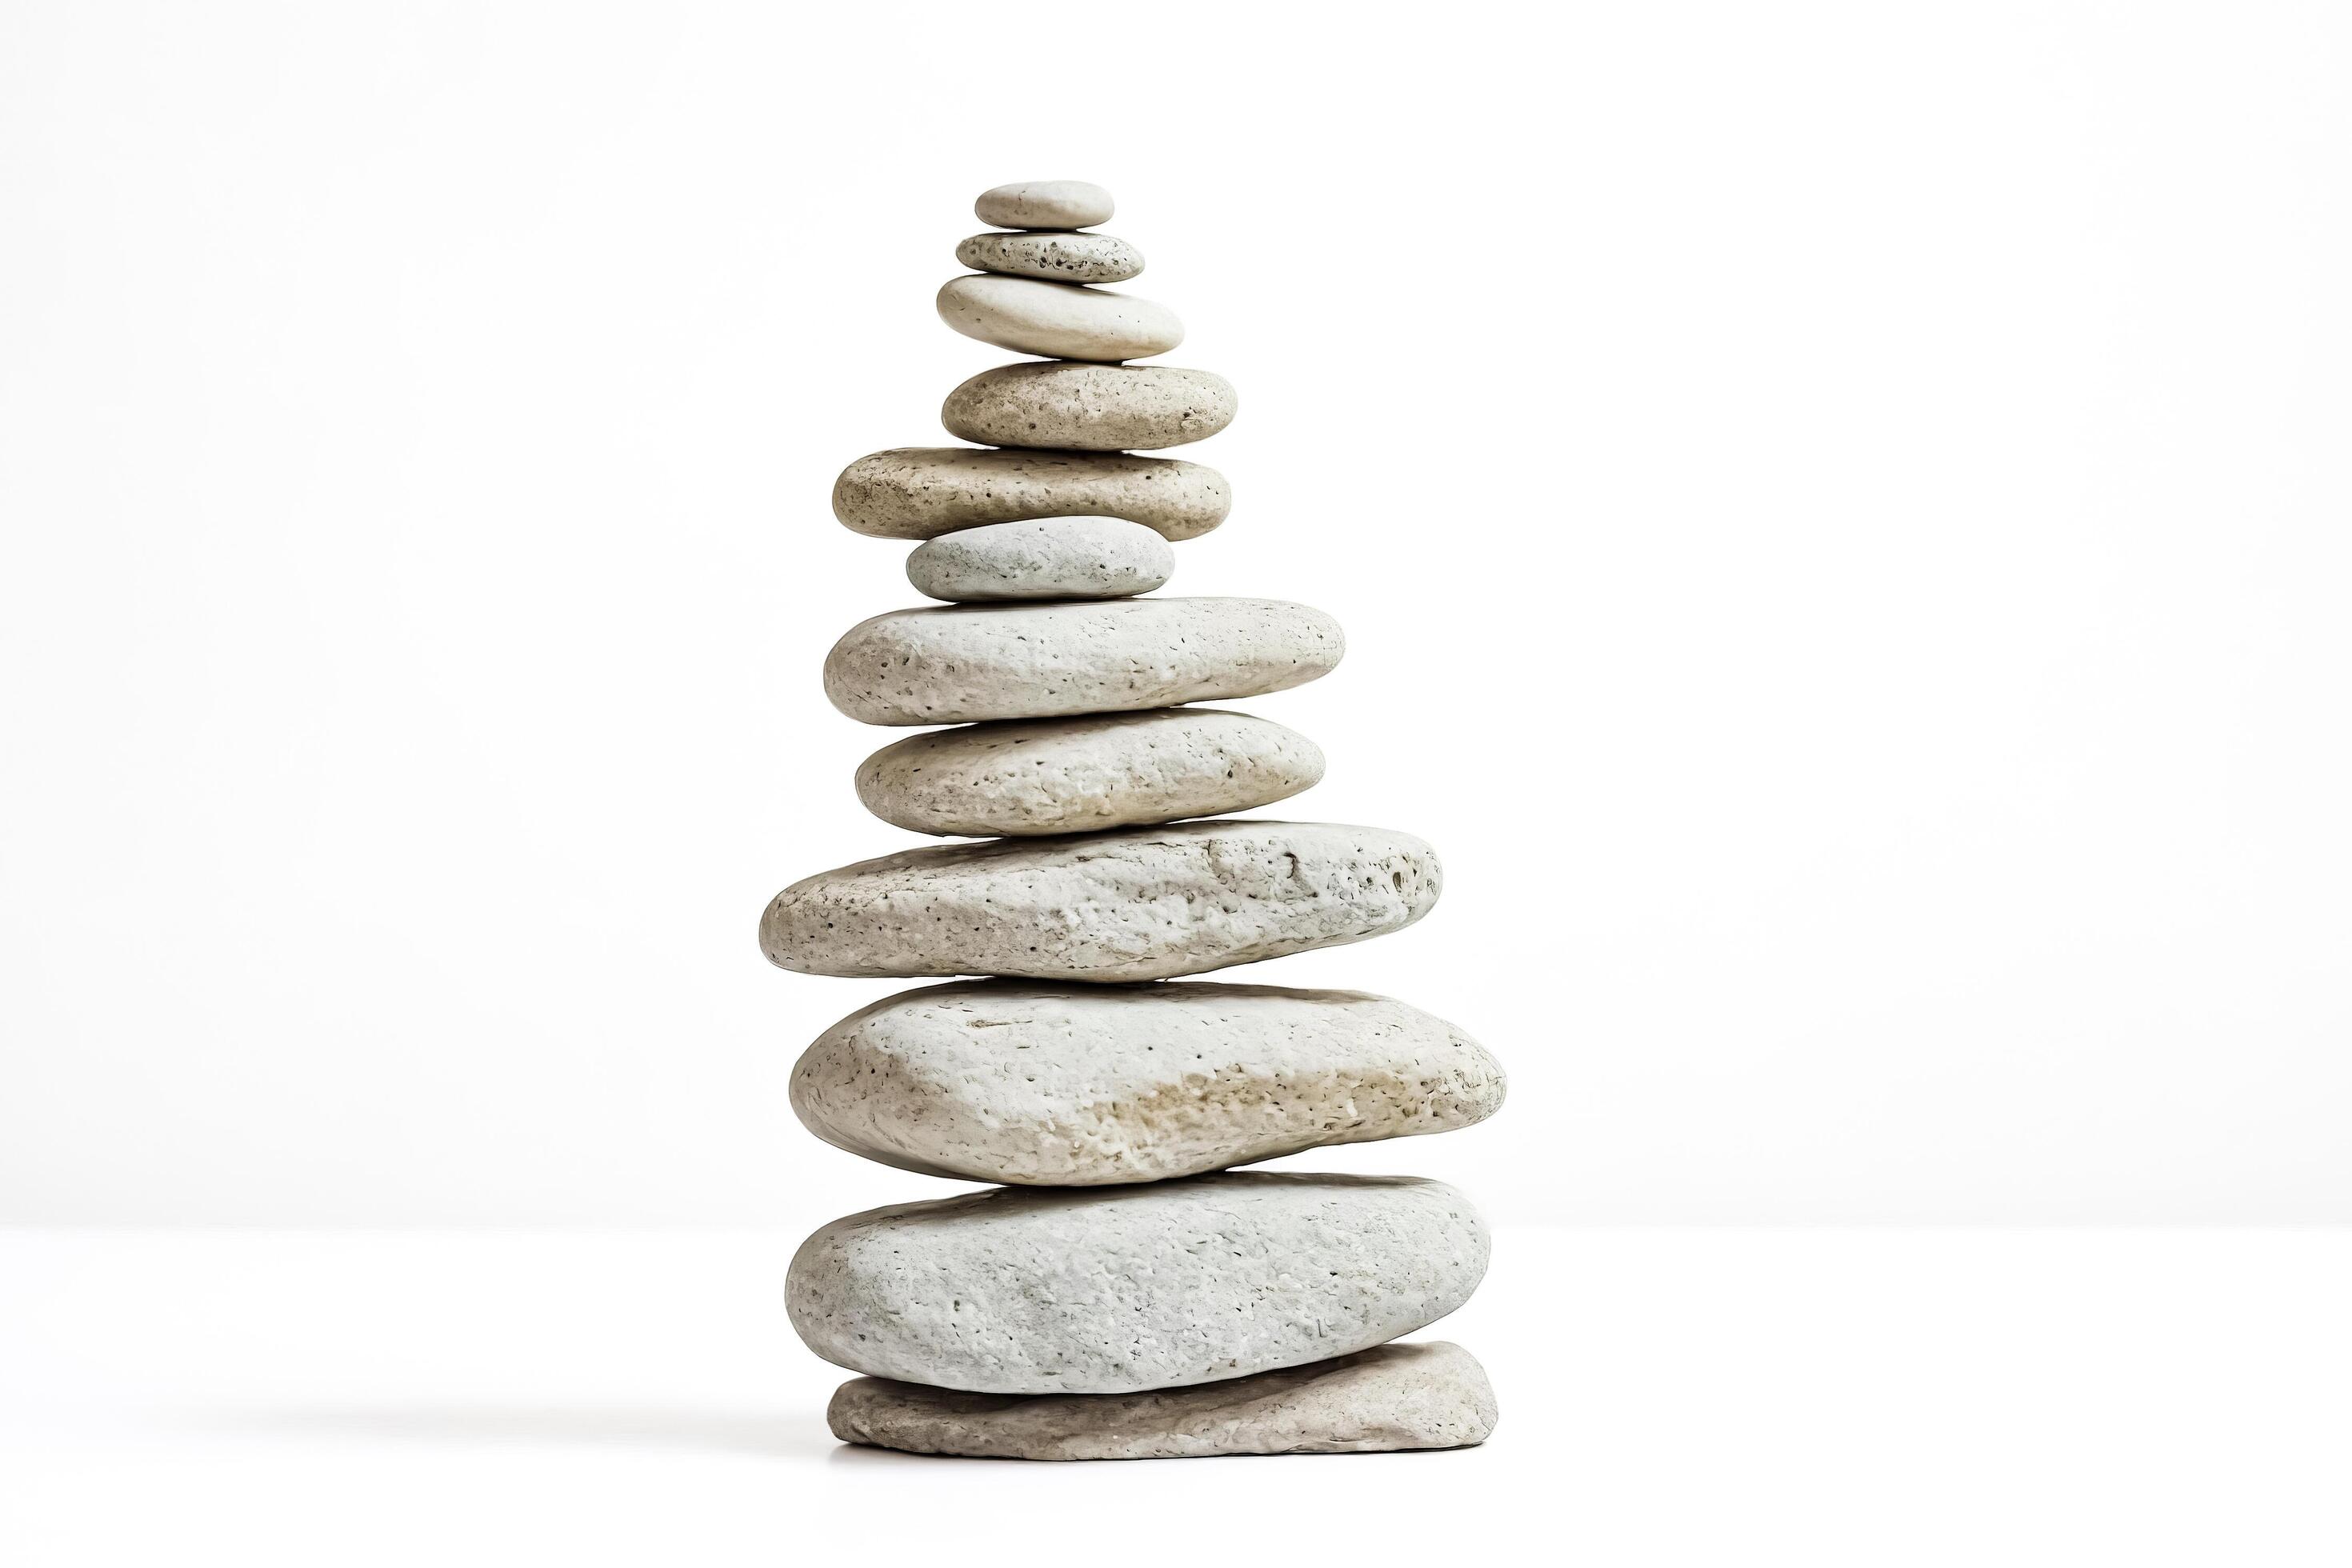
x,y
1042,558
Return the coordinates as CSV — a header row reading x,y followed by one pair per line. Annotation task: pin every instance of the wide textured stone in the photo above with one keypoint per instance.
x,y
1102,1085
1044,204
1068,257
1143,903
1089,407
961,664
1063,320
1051,1291
921,492
1391,1398
1024,777
1045,558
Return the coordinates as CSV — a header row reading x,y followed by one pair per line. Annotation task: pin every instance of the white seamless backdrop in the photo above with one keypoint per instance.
x,y
1838,509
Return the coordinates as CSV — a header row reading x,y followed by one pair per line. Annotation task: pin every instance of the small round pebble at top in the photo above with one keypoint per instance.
x,y
1044,204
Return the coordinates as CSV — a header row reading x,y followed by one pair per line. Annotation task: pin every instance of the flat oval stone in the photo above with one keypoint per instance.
x,y
1068,257
1044,204
1391,1398
1061,321
1089,407
1049,558
1026,777
973,662
1044,1290
1105,1085
921,492
1143,903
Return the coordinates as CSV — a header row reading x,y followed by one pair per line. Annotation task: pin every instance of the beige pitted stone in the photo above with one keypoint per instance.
x,y
1021,777
966,663
1089,407
1045,558
1391,1398
1115,1290
1143,903
921,492
1044,204
1105,1085
1063,320
1067,257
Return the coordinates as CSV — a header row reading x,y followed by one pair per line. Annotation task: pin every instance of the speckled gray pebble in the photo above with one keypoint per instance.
x,y
1065,321
1102,1085
1143,903
1089,407
1044,204
1391,1398
1045,558
1045,1290
966,663
920,493
1068,257
1023,777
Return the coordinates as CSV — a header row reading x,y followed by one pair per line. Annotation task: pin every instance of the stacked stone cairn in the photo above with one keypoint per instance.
x,y
1120,1292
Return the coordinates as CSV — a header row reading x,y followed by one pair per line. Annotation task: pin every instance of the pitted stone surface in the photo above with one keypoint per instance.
x,y
1068,257
967,663
1044,204
1089,407
1144,903
1050,1290
1395,1396
1024,777
1045,558
1101,1084
1063,320
920,493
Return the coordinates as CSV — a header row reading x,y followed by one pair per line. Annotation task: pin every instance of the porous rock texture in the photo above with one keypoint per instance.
x,y
1044,204
1144,903
1393,1396
1019,778
1089,407
1067,257
1043,558
966,663
918,492
1059,1291
1099,1085
1067,321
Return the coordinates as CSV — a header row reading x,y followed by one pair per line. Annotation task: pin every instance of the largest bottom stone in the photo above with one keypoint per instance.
x,y
1046,1291
1431,1395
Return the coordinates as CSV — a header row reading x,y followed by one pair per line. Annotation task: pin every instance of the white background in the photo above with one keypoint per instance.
x,y
1840,511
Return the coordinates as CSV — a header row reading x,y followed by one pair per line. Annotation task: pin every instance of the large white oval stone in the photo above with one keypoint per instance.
x,y
1144,903
1102,1085
1061,321
973,662
1045,1290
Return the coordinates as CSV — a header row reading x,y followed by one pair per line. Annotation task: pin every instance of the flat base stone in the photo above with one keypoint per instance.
x,y
1392,1397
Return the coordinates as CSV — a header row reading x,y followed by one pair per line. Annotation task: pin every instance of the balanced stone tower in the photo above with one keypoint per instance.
x,y
1122,1293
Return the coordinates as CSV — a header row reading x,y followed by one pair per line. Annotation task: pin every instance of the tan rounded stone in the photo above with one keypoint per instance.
x,y
1021,778
919,492
1089,407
